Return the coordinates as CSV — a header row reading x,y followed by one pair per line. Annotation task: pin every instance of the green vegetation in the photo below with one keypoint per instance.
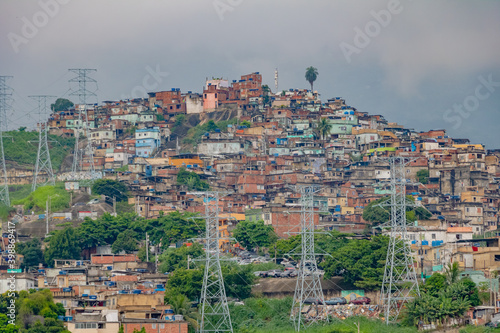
x,y
28,305
379,214
194,134
441,301
61,104
18,192
423,176
324,128
126,241
311,75
63,244
265,94
173,259
166,229
59,198
191,180
238,281
110,188
361,262
22,148
260,315
181,305
5,212
32,252
254,234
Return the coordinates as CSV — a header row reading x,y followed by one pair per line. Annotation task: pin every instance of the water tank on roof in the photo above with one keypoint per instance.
x,y
217,130
173,89
177,89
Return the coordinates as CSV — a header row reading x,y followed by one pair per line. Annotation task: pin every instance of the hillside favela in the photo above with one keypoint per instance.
x,y
179,168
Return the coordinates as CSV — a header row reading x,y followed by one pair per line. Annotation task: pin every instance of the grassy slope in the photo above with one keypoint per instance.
x,y
22,148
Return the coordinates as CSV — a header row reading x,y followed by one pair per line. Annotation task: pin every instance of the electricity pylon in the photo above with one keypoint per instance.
x,y
215,315
308,280
5,100
83,92
400,280
43,164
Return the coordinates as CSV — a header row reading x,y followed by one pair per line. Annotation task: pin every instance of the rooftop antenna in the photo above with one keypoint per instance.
x,y
276,79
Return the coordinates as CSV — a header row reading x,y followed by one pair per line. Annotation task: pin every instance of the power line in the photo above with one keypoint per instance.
x,y
5,105
400,281
215,315
83,92
43,163
308,280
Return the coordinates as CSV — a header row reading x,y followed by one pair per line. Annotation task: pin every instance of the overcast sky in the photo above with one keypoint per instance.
x,y
411,62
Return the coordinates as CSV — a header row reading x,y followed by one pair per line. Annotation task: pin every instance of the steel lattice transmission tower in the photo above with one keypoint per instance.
x,y
308,279
400,281
83,93
5,105
43,164
214,309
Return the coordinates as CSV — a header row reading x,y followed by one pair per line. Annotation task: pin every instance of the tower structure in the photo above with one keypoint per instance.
x,y
43,165
276,80
400,281
83,92
308,280
214,308
5,105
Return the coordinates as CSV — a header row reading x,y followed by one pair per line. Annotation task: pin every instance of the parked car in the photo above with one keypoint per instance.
x,y
288,273
360,300
336,300
260,273
93,201
311,300
274,273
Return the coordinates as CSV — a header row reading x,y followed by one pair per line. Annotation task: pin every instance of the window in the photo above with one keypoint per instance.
x,y
433,236
153,325
162,326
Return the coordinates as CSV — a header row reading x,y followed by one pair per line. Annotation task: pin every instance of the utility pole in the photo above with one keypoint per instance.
x,y
147,247
83,92
215,315
400,281
43,163
308,280
5,105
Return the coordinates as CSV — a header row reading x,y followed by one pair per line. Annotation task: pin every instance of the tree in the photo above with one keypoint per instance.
x,y
63,245
172,259
238,280
32,252
423,176
452,273
191,180
256,234
61,104
246,123
265,94
377,214
311,75
324,127
126,241
361,262
5,327
120,330
186,282
110,188
181,305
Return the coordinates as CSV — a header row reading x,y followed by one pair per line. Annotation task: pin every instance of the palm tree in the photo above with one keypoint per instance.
x,y
181,305
452,273
311,75
324,127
